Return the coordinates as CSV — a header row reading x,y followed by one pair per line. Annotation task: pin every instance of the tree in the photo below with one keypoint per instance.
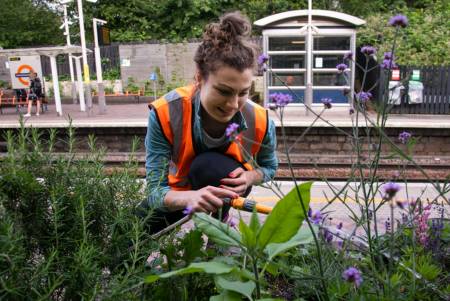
x,y
28,23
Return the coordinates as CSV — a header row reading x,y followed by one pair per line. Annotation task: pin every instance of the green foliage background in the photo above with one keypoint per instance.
x,y
36,22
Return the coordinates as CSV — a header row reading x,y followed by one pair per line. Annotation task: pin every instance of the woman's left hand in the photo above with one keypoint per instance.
x,y
239,180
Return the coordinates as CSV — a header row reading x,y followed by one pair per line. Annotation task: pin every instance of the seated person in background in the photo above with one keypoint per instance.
x,y
192,162
34,94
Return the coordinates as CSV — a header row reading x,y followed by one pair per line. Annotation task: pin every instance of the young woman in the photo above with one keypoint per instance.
x,y
208,142
35,94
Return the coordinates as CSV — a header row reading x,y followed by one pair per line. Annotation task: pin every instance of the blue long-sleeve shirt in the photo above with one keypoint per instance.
x,y
158,152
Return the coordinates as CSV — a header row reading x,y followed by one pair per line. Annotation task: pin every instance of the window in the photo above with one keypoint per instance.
x,y
329,79
286,43
289,79
327,61
287,61
331,43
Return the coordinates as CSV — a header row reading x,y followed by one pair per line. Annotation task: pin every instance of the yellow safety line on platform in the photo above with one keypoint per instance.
x,y
271,199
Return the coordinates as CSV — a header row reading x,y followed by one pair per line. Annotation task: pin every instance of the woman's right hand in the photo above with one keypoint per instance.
x,y
207,199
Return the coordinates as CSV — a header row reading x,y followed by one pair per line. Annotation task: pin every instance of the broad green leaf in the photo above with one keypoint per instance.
x,y
243,288
227,296
217,231
210,267
286,217
271,299
303,236
248,236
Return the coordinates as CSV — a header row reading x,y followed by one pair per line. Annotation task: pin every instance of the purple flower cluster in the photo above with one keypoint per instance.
x,y
327,102
388,61
188,210
348,56
280,99
399,21
341,67
390,189
352,275
262,61
364,96
369,50
315,216
327,235
231,130
404,137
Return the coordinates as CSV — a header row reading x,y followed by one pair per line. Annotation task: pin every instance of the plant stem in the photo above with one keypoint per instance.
x,y
255,272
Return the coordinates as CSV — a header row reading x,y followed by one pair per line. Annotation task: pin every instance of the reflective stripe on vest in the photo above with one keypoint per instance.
x,y
174,113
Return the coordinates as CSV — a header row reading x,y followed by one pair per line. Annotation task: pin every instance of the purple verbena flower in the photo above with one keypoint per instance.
x,y
402,204
231,130
351,111
262,59
399,21
368,50
339,226
327,236
352,275
348,56
280,99
388,55
327,102
404,137
388,64
390,189
364,96
188,210
341,67
315,216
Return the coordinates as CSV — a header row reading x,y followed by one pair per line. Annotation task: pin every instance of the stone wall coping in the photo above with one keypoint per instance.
x,y
401,124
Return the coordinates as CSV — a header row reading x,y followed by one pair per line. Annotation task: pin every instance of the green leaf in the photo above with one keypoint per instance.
x,y
210,267
217,231
243,288
303,236
192,244
254,222
286,217
248,236
227,296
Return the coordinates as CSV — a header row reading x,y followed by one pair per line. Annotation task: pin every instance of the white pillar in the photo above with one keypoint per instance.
x,y
309,41
67,33
98,68
85,62
56,85
80,84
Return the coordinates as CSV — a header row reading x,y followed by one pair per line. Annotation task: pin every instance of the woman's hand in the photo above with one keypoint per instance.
x,y
240,180
208,199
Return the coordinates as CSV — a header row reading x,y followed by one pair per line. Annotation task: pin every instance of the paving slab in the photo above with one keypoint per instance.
x,y
136,114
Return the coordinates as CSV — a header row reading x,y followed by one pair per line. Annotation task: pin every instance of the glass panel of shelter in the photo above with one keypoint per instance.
x,y
288,55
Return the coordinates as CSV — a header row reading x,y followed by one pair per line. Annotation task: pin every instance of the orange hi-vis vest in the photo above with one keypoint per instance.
x,y
175,113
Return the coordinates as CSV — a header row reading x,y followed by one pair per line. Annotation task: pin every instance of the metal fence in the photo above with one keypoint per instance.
x,y
110,60
436,93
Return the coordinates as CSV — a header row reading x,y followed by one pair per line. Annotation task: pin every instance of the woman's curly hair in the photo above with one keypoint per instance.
x,y
226,44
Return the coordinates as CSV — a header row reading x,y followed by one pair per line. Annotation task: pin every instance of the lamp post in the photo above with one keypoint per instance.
x,y
98,68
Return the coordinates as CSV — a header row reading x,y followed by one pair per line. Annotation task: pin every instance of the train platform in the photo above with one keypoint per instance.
x,y
136,114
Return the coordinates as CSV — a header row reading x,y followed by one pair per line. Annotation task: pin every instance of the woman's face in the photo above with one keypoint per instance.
x,y
225,91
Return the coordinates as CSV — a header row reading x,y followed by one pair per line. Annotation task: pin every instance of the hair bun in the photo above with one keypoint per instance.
x,y
235,25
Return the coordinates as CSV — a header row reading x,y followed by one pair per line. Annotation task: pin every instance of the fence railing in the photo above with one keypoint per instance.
x,y
436,92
